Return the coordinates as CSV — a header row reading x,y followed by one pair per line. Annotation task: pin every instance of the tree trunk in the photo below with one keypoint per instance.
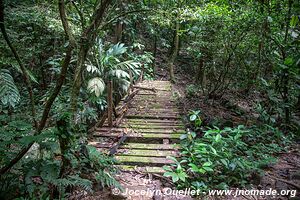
x,y
201,73
154,52
174,53
118,32
56,89
87,40
110,102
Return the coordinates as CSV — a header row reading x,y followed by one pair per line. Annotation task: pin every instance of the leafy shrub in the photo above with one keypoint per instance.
x,y
192,90
37,176
224,158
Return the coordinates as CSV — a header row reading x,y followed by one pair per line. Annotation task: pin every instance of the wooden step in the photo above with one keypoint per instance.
x,y
153,101
152,117
150,146
150,93
146,152
161,97
146,169
152,112
151,126
139,159
137,146
153,107
154,124
153,121
139,135
136,130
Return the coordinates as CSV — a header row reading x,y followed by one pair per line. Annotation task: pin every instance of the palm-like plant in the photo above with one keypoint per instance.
x,y
108,66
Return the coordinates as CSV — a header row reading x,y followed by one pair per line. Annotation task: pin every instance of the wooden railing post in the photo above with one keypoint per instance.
x,y
110,102
131,82
140,79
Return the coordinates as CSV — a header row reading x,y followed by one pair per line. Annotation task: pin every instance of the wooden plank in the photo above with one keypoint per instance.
x,y
145,123
152,117
152,112
150,146
148,160
157,109
154,120
158,93
154,131
139,135
152,104
146,169
136,146
165,97
152,126
149,105
101,144
153,100
147,152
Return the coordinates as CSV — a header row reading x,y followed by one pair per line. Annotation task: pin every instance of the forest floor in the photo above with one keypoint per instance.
x,y
283,175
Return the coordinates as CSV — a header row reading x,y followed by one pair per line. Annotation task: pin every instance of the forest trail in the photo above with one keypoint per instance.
x,y
152,126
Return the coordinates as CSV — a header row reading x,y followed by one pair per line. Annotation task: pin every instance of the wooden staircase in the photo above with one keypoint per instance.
x,y
152,127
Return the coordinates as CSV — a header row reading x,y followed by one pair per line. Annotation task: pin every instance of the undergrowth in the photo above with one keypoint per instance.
x,y
214,158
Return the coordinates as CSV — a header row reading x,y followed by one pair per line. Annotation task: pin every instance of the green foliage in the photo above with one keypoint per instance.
x,y
109,67
244,46
178,173
41,173
224,158
192,90
102,162
9,93
96,85
194,118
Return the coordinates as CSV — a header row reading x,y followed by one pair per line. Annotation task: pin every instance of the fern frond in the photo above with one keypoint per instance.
x,y
106,179
62,183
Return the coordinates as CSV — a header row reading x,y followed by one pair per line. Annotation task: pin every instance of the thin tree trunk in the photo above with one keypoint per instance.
x,y
285,71
110,102
55,91
17,57
87,39
200,73
118,32
154,53
174,53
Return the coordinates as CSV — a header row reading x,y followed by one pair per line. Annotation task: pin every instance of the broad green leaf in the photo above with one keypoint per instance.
x,y
193,167
193,117
96,85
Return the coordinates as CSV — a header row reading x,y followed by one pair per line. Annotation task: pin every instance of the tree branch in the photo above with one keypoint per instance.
x,y
55,91
87,38
17,57
122,15
80,15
